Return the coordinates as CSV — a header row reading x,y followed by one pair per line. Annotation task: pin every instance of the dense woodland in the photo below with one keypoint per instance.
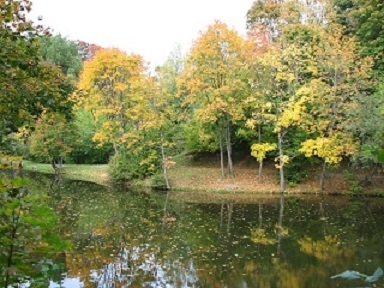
x,y
305,86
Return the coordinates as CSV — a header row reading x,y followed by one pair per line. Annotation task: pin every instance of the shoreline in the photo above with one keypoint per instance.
x,y
203,179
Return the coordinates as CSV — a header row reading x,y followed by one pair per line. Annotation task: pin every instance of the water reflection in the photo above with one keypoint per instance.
x,y
152,272
129,239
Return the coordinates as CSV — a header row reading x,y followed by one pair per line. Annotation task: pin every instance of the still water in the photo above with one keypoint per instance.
x,y
124,238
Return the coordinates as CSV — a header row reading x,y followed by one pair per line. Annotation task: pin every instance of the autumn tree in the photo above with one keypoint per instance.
x,y
339,90
116,89
279,73
53,139
27,85
114,84
214,82
273,15
166,108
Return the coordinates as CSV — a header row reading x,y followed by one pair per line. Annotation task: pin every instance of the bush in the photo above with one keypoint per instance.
x,y
297,170
158,182
129,165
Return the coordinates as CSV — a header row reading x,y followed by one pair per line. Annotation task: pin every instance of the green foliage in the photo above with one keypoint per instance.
x,y
63,53
28,233
158,181
353,183
199,137
87,151
27,85
53,137
297,170
129,164
360,19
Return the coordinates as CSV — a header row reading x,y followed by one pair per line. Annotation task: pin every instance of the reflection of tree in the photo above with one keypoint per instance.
x,y
224,239
279,227
328,247
141,266
325,250
258,234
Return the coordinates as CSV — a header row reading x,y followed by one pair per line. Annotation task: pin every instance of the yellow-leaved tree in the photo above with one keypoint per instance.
x,y
342,81
214,84
277,75
116,88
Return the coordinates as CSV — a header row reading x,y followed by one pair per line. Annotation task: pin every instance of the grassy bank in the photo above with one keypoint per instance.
x,y
94,173
191,174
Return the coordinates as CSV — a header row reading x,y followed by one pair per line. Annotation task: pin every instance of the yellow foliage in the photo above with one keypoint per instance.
x,y
331,149
258,235
259,150
283,160
324,250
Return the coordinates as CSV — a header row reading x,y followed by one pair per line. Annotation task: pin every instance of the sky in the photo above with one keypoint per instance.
x,y
151,28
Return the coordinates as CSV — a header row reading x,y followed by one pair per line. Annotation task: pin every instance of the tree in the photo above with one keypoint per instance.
x,y
85,150
361,18
341,87
214,83
273,15
166,109
117,90
27,85
274,100
114,86
63,53
53,138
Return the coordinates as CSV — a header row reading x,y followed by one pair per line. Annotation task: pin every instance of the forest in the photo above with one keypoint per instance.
x,y
303,87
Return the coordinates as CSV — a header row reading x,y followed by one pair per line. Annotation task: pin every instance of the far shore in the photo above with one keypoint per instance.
x,y
205,178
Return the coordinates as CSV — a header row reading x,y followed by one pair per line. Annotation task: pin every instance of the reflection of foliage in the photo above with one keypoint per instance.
x,y
259,236
120,239
280,230
326,249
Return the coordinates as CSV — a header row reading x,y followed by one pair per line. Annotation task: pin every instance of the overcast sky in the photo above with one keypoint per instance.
x,y
151,28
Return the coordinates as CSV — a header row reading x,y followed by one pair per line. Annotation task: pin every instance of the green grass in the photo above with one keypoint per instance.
x,y
93,173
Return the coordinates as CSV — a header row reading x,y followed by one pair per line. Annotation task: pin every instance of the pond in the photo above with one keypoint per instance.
x,y
124,238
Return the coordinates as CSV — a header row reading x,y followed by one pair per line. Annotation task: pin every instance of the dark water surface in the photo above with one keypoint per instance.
x,y
123,238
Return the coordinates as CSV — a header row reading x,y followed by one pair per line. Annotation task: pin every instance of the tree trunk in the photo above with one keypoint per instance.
x,y
164,161
322,176
281,163
115,149
221,152
229,148
260,177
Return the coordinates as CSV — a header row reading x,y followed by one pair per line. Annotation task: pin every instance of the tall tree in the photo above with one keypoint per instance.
x,y
273,15
166,109
341,87
115,87
214,82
